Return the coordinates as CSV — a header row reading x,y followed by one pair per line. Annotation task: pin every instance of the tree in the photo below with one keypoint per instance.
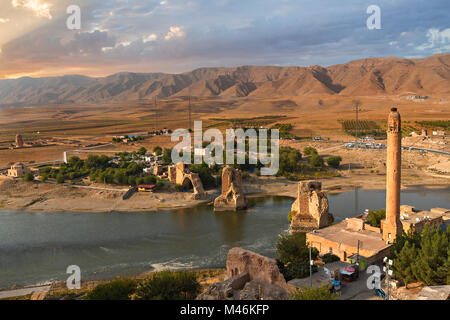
x,y
375,216
157,150
293,255
167,156
316,161
313,293
329,257
432,264
60,178
142,151
28,177
404,263
119,289
334,161
309,151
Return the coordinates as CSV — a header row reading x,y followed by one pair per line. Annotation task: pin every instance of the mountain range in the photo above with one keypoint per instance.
x,y
366,77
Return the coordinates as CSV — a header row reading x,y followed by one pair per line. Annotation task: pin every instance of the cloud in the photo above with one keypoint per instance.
x,y
437,40
149,38
41,9
175,32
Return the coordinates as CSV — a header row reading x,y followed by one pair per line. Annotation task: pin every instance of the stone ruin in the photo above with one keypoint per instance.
x,y
178,174
310,209
250,276
232,197
19,141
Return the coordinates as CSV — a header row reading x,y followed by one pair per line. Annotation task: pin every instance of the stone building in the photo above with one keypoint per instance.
x,y
310,209
17,170
232,197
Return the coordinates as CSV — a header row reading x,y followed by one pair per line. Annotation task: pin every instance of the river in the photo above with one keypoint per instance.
x,y
37,247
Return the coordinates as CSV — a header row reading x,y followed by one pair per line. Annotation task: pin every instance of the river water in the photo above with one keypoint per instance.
x,y
38,247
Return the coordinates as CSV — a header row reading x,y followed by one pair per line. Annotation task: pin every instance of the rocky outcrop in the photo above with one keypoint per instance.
x,y
250,276
232,197
310,209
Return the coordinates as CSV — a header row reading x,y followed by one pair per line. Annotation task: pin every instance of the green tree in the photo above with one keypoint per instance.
x,y
313,293
334,161
60,178
158,150
29,176
329,257
404,263
309,151
375,216
316,161
432,264
167,156
142,151
119,289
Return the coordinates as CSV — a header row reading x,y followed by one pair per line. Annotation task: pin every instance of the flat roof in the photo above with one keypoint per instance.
x,y
369,240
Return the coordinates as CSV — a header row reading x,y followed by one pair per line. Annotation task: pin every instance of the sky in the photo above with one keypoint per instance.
x,y
176,36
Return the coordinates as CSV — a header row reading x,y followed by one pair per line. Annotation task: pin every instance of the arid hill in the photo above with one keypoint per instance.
x,y
367,77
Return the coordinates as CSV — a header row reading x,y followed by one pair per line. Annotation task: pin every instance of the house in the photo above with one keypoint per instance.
x,y
17,170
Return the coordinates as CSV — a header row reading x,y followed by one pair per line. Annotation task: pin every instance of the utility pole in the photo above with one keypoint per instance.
x,y
357,104
189,112
156,115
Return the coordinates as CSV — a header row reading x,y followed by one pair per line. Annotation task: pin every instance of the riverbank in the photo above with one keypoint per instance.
x,y
18,195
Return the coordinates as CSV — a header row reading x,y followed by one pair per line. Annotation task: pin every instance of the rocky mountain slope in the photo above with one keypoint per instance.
x,y
367,77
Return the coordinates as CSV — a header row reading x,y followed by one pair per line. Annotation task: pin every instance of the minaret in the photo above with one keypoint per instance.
x,y
392,226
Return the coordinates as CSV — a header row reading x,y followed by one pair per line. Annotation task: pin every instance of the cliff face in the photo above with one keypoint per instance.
x,y
375,76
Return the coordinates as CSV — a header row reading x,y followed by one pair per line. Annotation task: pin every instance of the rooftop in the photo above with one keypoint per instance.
x,y
369,240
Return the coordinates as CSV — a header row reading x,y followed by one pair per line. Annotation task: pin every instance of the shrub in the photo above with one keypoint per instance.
x,y
313,293
119,289
28,177
334,161
245,175
168,285
44,177
329,257
179,187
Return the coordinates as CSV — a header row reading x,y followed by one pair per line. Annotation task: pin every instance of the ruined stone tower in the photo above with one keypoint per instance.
x,y
392,225
310,209
19,141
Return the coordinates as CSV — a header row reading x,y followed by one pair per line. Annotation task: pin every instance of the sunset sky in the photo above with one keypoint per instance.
x,y
177,36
